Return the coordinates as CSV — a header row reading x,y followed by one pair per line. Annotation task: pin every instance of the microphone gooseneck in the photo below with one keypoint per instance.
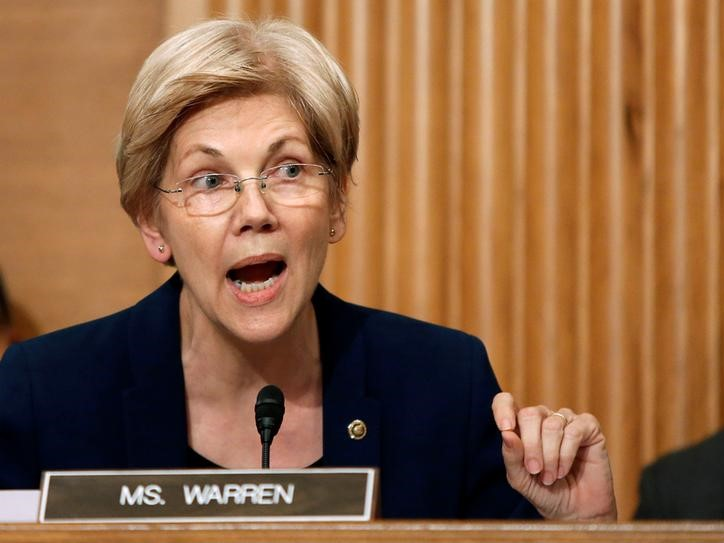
x,y
269,411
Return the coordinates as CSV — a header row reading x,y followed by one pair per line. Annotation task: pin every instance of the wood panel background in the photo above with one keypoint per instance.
x,y
544,174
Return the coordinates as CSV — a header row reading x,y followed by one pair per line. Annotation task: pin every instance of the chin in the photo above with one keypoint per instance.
x,y
259,333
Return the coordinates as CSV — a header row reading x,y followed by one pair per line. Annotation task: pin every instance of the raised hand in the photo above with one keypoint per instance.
x,y
557,460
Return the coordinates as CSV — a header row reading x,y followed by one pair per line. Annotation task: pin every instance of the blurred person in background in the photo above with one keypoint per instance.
x,y
685,484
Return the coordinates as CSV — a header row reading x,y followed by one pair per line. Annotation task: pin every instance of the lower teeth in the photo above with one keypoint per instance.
x,y
255,287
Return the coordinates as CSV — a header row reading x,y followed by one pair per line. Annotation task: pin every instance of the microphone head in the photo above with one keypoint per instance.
x,y
269,411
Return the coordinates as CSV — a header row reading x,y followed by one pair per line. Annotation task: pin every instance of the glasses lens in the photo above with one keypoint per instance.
x,y
289,183
209,194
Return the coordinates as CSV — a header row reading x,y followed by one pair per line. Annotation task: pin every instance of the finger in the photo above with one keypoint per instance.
x,y
552,431
582,431
504,410
513,456
529,424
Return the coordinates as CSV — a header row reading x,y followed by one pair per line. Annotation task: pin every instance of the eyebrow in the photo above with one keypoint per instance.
x,y
278,144
200,148
216,153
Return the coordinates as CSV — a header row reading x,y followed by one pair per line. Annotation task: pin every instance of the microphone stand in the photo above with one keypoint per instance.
x,y
266,441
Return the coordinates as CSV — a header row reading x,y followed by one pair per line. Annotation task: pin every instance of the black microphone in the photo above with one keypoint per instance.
x,y
269,410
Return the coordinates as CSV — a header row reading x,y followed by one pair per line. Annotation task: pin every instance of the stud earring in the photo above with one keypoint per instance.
x,y
332,232
161,248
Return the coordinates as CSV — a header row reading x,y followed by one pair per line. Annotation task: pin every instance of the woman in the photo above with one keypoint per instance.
x,y
234,159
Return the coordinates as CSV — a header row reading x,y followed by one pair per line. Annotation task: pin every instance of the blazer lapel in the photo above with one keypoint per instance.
x,y
154,404
346,399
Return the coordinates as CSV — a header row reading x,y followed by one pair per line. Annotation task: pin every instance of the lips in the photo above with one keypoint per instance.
x,y
256,274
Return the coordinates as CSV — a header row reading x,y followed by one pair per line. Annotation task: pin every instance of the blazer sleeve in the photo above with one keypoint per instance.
x,y
488,494
18,448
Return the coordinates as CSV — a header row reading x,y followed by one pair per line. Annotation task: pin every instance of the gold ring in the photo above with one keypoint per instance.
x,y
557,414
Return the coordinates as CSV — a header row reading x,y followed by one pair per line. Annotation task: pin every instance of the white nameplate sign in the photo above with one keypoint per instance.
x,y
312,494
19,505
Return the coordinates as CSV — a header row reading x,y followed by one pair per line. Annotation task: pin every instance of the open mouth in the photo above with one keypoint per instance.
x,y
256,277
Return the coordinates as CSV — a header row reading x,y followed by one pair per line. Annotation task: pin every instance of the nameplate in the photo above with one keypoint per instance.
x,y
19,505
312,494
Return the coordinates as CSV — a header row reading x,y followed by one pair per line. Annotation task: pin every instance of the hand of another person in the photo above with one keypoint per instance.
x,y
557,460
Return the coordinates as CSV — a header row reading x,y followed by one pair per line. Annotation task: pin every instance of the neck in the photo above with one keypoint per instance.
x,y
219,367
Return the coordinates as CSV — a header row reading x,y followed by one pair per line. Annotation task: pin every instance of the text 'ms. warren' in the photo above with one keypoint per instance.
x,y
196,494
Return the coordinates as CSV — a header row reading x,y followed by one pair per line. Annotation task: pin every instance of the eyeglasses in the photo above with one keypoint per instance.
x,y
214,193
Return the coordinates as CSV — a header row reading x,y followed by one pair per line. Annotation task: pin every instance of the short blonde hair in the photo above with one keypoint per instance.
x,y
224,58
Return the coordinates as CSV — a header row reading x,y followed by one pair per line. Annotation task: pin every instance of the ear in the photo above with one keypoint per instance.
x,y
337,222
154,241
337,215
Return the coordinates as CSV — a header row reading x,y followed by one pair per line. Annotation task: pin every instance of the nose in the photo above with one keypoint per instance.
x,y
252,212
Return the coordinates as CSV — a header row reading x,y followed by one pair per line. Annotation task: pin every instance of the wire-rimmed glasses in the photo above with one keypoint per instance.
x,y
213,193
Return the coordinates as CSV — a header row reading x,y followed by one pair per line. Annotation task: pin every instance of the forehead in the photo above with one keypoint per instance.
x,y
253,121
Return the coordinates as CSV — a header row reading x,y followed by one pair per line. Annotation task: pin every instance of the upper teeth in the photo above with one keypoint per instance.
x,y
255,286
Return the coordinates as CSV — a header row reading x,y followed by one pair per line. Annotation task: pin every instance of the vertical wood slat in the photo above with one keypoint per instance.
x,y
483,255
535,324
679,246
564,219
454,181
613,309
506,208
583,205
713,263
391,170
648,364
363,199
422,222
718,115
696,234
469,213
549,186
519,296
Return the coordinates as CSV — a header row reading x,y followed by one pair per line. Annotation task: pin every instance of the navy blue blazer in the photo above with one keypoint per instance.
x,y
109,394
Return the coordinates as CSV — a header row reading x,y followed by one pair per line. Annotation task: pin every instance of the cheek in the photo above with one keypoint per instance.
x,y
196,243
312,235
321,224
321,243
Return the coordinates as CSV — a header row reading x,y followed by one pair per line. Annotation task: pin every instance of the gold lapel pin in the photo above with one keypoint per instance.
x,y
357,429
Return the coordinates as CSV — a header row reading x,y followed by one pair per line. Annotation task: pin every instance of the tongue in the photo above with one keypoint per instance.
x,y
256,273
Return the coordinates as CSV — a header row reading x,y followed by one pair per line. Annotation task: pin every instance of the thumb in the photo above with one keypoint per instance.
x,y
513,458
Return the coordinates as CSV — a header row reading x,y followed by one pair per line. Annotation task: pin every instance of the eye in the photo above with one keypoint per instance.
x,y
207,182
289,171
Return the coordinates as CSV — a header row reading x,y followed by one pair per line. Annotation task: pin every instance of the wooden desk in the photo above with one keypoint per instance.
x,y
374,532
